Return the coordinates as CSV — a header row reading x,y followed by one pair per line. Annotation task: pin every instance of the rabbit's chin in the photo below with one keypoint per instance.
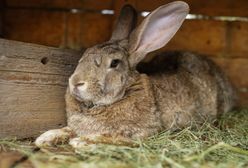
x,y
108,99
104,99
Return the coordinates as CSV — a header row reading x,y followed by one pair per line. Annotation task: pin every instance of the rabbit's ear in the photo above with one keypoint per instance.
x,y
125,23
156,30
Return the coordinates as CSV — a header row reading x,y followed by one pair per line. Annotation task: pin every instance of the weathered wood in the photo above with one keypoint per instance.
x,y
210,37
96,28
35,26
236,69
79,30
204,36
32,88
88,4
209,7
237,35
86,29
2,5
32,91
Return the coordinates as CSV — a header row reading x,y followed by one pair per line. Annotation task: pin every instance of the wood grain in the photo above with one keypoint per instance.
x,y
82,30
95,28
30,109
238,36
236,69
87,29
88,4
2,5
35,26
32,93
204,36
66,30
210,37
209,7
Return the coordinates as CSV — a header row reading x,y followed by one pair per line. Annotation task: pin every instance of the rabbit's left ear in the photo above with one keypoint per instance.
x,y
156,30
125,23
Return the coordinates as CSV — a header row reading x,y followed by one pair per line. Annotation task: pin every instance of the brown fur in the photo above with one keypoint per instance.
x,y
193,91
107,103
134,116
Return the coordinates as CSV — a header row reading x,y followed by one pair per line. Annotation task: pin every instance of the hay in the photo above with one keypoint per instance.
x,y
223,145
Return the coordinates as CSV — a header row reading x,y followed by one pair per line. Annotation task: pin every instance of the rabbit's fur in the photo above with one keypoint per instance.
x,y
109,101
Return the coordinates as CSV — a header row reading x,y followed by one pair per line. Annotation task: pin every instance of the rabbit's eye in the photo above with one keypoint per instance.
x,y
115,63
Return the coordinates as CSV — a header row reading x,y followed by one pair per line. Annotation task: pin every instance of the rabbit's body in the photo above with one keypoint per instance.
x,y
108,98
134,116
189,88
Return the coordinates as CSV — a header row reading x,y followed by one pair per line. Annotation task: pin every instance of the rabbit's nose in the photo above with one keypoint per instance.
x,y
81,86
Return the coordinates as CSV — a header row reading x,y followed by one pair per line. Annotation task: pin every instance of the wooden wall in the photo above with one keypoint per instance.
x,y
79,24
33,80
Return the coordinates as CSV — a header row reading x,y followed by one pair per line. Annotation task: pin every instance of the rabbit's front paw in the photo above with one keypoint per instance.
x,y
79,143
91,140
53,137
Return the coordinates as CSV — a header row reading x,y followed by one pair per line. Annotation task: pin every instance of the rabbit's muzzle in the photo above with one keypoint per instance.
x,y
79,90
92,90
84,91
80,87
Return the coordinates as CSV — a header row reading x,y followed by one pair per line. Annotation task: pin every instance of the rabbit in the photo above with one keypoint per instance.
x,y
112,97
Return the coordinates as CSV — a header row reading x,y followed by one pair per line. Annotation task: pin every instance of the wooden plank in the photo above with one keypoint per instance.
x,y
30,58
95,28
75,31
210,7
32,93
34,101
29,109
25,64
236,69
33,78
34,3
2,5
35,26
214,38
86,29
238,38
89,4
200,36
1,23
243,98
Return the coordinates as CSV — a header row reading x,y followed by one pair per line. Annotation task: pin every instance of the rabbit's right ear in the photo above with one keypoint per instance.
x,y
156,30
125,23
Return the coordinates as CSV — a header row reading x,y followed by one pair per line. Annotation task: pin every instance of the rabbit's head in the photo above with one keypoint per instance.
x,y
106,70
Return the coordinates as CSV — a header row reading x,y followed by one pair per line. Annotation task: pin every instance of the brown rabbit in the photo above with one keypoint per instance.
x,y
109,101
